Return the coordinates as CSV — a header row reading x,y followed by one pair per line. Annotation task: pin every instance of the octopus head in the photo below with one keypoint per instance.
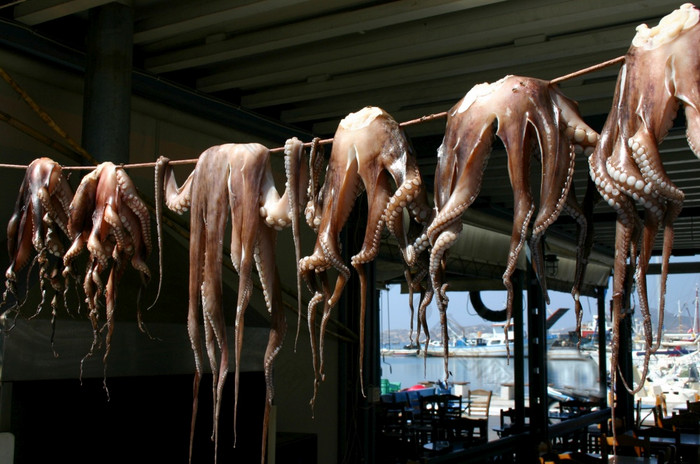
x,y
669,28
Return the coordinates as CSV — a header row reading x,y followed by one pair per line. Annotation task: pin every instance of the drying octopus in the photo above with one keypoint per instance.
x,y
369,150
107,217
527,113
660,71
239,177
39,224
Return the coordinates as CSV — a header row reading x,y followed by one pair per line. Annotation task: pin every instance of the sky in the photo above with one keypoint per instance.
x,y
395,314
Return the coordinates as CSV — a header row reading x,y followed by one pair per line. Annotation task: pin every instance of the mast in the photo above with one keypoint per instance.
x,y
696,315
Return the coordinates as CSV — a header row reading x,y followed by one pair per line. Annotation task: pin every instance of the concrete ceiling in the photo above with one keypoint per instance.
x,y
305,64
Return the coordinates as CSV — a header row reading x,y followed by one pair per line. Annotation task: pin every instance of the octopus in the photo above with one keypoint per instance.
x,y
659,73
527,113
236,177
39,225
107,217
369,150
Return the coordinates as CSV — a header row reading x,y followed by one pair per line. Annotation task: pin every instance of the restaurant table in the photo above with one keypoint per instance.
x,y
686,439
631,460
688,445
620,459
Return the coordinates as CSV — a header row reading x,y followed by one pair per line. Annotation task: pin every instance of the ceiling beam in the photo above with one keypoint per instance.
x,y
198,15
418,41
614,40
41,11
312,30
439,95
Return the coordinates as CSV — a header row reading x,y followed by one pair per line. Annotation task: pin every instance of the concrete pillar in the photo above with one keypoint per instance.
x,y
107,96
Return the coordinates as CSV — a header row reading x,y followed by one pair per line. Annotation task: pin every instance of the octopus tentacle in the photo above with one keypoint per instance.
x,y
130,196
115,275
159,187
527,112
659,73
692,118
269,278
554,194
645,154
40,211
197,242
583,232
177,199
311,319
20,247
101,217
298,179
314,205
369,250
367,145
426,299
516,138
464,193
415,284
237,176
409,194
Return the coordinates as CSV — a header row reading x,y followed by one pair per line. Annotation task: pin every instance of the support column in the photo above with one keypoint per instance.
x,y
624,404
519,349
356,422
602,344
107,91
537,361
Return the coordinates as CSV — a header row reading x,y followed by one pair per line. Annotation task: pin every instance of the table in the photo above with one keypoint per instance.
x,y
631,460
688,445
611,459
686,439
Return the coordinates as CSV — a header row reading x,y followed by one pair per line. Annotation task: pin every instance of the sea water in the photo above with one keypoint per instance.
x,y
490,373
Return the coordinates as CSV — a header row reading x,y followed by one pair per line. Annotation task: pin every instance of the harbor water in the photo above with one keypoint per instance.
x,y
570,370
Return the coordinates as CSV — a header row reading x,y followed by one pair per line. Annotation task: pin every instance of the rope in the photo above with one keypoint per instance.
x,y
151,164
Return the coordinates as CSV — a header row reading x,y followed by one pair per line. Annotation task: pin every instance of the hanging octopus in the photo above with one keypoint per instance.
x,y
527,113
107,217
369,150
660,71
238,177
41,211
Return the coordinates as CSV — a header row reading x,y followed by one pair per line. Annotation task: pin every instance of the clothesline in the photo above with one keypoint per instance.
x,y
327,141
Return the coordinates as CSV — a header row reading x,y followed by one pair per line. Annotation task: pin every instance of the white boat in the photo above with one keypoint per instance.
x,y
478,345
406,351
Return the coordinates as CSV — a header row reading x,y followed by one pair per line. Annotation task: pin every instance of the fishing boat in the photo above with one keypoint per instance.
x,y
408,350
677,343
477,345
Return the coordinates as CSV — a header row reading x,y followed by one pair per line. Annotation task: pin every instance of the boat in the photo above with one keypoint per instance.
x,y
676,343
408,350
477,345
